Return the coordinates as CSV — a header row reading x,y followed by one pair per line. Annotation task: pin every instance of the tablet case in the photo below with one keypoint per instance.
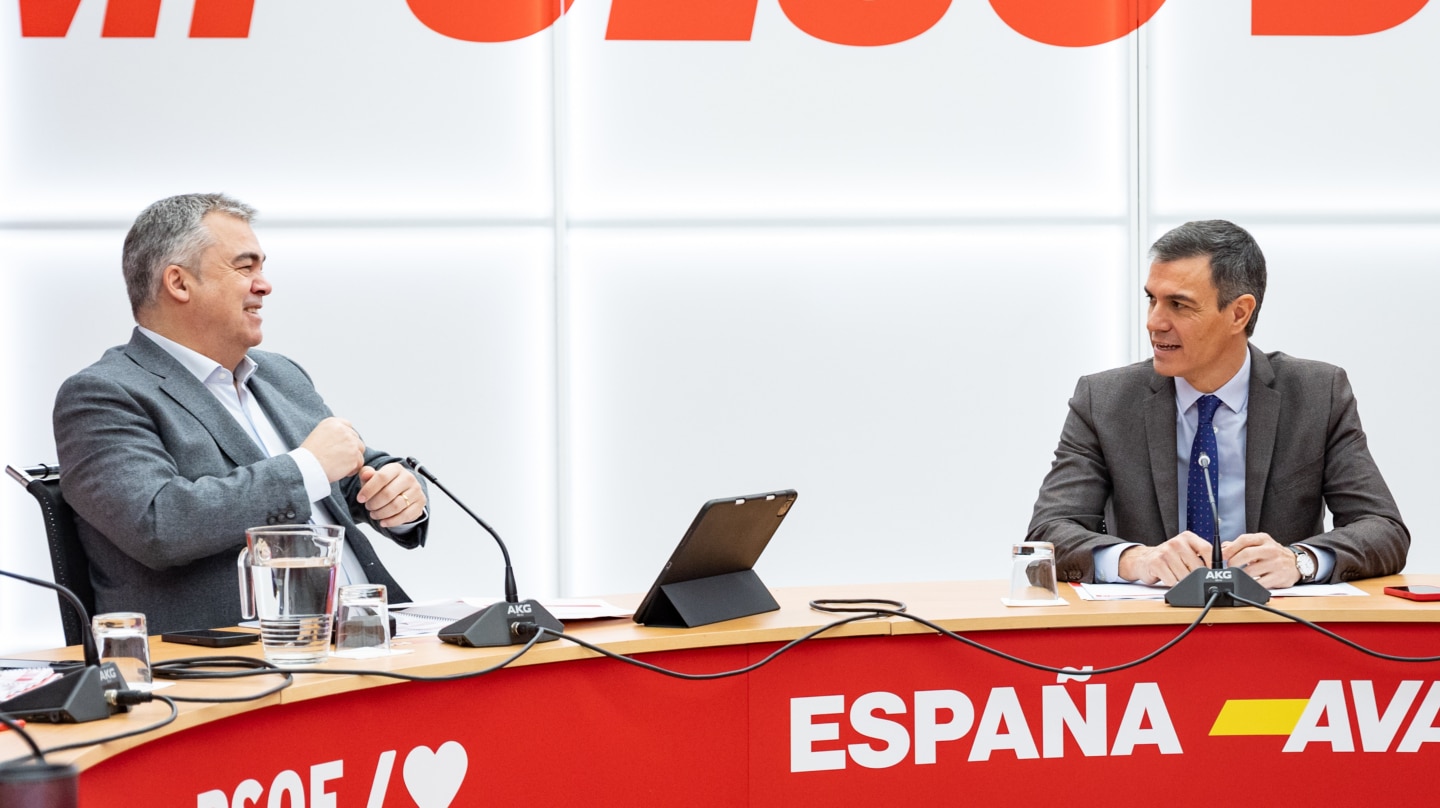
x,y
710,576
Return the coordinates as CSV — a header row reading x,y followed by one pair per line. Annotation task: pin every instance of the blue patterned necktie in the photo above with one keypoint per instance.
x,y
1199,519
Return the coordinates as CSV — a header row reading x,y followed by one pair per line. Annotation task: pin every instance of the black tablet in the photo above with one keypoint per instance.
x,y
710,576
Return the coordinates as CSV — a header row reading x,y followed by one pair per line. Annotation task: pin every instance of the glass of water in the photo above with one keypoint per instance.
x,y
363,619
121,638
287,578
1032,574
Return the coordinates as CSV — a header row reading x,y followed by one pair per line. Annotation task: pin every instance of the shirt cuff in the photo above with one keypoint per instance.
x,y
317,484
1107,563
401,530
1324,561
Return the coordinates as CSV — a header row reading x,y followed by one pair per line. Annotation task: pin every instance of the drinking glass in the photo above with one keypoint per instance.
x,y
363,619
121,638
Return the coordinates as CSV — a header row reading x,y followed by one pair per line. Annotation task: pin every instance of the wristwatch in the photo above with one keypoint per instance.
x,y
1305,563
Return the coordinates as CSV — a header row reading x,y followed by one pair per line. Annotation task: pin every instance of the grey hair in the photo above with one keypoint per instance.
x,y
1237,267
171,231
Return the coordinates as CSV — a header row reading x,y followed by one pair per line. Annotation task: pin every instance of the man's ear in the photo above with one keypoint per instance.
x,y
1242,309
175,283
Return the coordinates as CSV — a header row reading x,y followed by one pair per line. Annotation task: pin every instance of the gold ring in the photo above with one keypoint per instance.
x,y
406,498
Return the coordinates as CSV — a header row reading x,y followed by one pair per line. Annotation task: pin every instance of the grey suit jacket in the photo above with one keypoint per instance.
x,y
1114,476
165,482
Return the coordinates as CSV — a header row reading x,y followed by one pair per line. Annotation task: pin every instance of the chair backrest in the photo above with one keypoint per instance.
x,y
67,557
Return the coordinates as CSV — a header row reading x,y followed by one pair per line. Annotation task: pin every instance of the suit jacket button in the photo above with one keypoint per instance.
x,y
290,514
270,519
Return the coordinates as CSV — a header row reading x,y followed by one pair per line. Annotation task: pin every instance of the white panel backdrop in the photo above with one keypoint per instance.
x,y
966,119
892,376
593,283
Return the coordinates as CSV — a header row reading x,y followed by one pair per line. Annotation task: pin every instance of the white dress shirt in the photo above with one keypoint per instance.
x,y
232,390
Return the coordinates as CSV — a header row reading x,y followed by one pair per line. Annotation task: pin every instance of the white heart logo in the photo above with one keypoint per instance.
x,y
433,778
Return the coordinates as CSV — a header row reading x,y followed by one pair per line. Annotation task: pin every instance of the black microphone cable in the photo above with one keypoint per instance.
x,y
19,729
1332,635
868,613
842,605
187,669
771,657
192,668
175,670
119,697
857,609
822,605
197,668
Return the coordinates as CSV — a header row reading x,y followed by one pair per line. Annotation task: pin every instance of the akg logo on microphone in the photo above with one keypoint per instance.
x,y
1220,575
517,609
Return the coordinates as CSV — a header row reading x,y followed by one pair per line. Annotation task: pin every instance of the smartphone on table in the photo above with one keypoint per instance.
x,y
1414,592
211,637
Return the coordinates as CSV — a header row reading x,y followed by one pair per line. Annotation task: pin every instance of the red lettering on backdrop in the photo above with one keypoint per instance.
x,y
488,20
1077,23
222,18
1329,17
864,22
1067,23
47,17
131,18
136,18
688,21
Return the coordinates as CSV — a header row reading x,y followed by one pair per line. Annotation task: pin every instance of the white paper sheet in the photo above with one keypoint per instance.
x,y
1143,592
428,617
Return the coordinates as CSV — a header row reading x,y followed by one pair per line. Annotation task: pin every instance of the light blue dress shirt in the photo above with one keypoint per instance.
x,y
1230,423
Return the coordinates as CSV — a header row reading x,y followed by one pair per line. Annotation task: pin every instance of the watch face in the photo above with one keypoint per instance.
x,y
1304,563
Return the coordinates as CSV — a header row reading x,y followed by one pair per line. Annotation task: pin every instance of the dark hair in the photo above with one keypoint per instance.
x,y
1237,267
170,231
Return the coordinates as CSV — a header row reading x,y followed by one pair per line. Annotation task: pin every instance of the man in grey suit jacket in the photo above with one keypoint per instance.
x,y
1289,443
174,444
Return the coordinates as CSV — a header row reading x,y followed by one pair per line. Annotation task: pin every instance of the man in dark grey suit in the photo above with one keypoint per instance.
x,y
1279,436
171,446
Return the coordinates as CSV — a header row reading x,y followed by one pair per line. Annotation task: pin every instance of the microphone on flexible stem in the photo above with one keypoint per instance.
x,y
1217,561
87,640
510,622
1195,589
79,694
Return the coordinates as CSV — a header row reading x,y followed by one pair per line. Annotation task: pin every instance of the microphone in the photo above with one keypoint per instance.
x,y
1217,561
1195,589
87,640
510,622
79,695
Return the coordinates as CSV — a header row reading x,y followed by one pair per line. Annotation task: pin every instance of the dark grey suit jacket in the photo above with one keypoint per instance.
x,y
165,482
1113,478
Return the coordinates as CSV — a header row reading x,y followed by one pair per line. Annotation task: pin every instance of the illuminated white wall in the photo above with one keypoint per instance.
x,y
592,283
969,119
1325,150
895,377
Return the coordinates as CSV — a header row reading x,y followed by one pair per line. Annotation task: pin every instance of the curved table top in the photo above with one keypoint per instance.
x,y
960,606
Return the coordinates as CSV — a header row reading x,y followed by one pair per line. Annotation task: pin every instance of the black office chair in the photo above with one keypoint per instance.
x,y
67,557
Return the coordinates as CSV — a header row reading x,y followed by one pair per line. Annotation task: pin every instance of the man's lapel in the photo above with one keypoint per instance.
x,y
288,421
187,391
1160,437
1261,427
293,426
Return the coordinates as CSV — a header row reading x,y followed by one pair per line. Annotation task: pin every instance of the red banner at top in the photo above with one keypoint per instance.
x,y
866,23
